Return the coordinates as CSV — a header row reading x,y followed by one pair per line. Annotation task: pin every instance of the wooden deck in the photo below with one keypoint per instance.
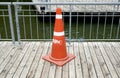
x,y
93,60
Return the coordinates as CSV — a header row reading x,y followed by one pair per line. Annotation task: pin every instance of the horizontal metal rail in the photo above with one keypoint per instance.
x,y
67,15
73,40
5,3
66,3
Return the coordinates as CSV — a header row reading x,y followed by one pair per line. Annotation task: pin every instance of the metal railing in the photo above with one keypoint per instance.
x,y
83,21
6,22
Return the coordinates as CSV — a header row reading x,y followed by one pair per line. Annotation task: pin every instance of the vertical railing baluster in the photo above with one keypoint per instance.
x,y
24,25
11,24
84,22
77,27
117,36
5,26
98,24
70,23
37,28
104,30
30,23
111,29
43,26
50,23
17,23
91,22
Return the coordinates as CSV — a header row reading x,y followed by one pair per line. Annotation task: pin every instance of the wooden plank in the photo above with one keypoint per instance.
x,y
52,68
1,42
6,59
52,71
110,52
58,72
78,65
23,61
22,51
65,68
46,68
65,72
5,52
95,61
71,63
115,46
33,68
101,61
107,60
12,59
2,46
30,60
91,68
83,60
42,62
119,46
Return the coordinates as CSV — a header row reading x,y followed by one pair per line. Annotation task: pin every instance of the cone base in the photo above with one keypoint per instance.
x,y
59,63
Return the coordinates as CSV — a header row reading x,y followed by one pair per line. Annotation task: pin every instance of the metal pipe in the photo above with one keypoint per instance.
x,y
5,25
11,24
66,3
68,15
72,40
70,21
17,24
5,3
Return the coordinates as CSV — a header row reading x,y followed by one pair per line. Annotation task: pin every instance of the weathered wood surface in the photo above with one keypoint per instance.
x,y
93,60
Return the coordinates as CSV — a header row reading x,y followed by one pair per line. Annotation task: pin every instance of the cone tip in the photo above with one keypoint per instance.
x,y
58,11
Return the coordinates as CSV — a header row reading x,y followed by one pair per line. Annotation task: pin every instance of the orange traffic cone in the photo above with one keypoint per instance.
x,y
59,55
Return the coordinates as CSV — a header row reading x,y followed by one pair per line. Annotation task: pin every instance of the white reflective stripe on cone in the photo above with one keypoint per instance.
x,y
58,33
58,16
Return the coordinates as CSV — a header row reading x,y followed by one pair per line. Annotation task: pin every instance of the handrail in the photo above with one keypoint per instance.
x,y
5,3
66,3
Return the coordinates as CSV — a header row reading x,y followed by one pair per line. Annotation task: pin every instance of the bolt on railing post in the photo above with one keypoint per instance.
x,y
11,24
17,23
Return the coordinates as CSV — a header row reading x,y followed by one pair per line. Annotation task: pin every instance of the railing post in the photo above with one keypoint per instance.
x,y
17,23
70,24
11,24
